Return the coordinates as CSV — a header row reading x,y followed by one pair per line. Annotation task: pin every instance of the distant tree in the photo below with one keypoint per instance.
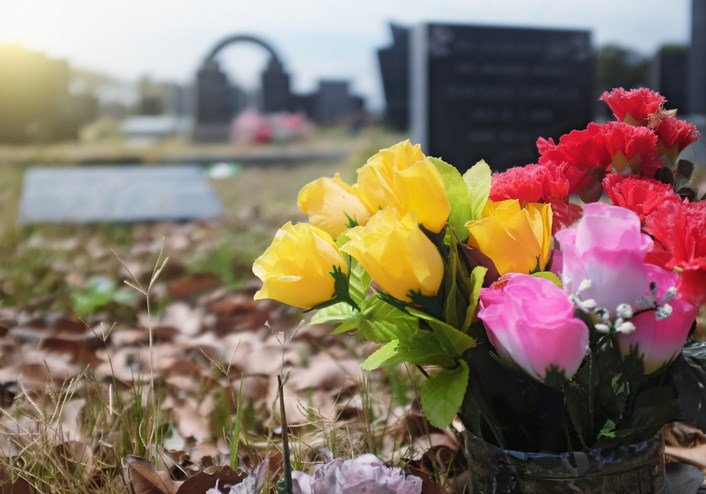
x,y
152,97
36,104
617,66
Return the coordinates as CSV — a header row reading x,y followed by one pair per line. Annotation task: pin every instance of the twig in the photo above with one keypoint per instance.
x,y
286,460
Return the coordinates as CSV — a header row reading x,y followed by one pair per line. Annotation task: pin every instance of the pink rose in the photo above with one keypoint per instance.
x,y
659,341
607,248
530,321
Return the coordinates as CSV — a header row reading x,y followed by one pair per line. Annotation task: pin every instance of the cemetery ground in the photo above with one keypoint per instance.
x,y
134,357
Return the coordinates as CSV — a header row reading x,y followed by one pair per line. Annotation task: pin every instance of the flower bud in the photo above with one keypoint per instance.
x,y
296,268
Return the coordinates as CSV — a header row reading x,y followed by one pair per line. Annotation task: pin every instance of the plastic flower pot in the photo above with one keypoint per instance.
x,y
636,468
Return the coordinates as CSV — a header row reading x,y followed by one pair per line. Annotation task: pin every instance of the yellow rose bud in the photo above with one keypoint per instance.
x,y
397,254
514,237
401,177
330,202
296,268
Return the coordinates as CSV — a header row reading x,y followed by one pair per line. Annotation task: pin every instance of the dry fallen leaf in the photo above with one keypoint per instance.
x,y
144,479
686,443
224,477
10,485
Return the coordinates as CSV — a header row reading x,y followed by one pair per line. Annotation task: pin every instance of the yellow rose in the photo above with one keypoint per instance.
x,y
512,236
296,268
397,254
329,202
403,178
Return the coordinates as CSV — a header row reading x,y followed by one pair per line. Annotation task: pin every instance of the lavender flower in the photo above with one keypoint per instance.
x,y
366,473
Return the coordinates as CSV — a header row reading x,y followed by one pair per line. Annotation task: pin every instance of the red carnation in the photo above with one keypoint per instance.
x,y
641,195
631,146
675,135
634,106
521,182
678,230
583,153
531,183
538,183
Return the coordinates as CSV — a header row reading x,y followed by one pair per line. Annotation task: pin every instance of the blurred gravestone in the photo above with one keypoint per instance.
x,y
394,69
489,92
116,194
669,76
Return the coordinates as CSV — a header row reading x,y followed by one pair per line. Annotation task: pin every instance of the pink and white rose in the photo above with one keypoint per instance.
x,y
530,321
607,248
659,341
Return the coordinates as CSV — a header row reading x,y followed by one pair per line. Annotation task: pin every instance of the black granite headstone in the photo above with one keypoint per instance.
x,y
697,59
215,103
488,93
394,69
116,194
275,87
334,103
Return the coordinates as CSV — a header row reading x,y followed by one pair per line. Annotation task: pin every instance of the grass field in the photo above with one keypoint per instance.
x,y
178,368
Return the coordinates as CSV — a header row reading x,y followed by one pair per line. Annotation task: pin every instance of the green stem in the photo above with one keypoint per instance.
x,y
591,395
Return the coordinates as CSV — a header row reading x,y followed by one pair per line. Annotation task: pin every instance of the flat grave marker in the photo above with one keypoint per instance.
x,y
116,193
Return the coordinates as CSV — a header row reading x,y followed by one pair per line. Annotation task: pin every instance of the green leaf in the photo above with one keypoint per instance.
x,y
421,349
575,400
381,322
380,356
358,282
97,294
458,197
377,320
451,289
424,349
688,373
453,340
443,394
548,275
335,314
478,179
475,283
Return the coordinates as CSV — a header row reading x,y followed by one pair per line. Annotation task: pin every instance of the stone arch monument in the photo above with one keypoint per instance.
x,y
217,99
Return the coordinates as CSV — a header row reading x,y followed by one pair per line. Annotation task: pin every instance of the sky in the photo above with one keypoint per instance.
x,y
168,39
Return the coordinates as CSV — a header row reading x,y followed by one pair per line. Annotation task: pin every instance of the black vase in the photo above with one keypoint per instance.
x,y
635,468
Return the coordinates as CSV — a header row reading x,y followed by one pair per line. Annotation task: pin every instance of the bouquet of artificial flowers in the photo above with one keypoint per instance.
x,y
545,324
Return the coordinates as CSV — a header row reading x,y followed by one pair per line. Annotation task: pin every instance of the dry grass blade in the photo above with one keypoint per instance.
x,y
286,458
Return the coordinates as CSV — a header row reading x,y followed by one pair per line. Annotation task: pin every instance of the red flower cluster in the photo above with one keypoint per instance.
x,y
678,229
644,134
621,158
600,149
